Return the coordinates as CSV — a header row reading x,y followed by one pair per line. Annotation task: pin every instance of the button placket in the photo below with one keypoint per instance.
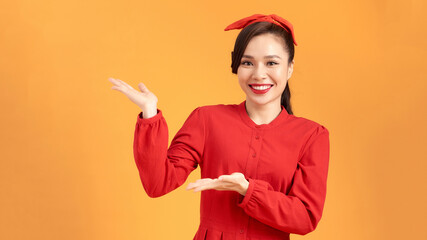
x,y
254,152
242,230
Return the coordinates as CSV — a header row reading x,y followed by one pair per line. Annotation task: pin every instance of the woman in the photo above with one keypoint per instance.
x,y
263,169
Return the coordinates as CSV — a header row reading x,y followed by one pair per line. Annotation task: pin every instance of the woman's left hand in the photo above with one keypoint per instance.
x,y
234,182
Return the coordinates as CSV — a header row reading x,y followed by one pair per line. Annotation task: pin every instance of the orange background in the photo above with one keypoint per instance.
x,y
67,169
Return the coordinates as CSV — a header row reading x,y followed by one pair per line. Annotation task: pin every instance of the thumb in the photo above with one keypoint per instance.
x,y
142,87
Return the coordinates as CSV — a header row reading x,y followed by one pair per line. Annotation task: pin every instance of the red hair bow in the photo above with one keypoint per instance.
x,y
273,18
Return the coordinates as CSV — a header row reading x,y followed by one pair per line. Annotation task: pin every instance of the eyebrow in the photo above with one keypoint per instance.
x,y
268,56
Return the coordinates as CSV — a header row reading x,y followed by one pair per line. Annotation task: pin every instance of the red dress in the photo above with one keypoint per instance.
x,y
285,162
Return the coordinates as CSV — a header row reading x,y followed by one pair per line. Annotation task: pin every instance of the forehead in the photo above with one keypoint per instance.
x,y
266,44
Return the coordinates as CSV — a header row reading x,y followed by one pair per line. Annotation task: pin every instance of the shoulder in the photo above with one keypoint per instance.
x,y
308,126
310,132
217,109
223,114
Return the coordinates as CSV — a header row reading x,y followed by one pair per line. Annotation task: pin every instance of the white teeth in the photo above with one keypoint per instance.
x,y
261,87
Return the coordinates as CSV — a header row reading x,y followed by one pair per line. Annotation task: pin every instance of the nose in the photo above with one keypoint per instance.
x,y
259,72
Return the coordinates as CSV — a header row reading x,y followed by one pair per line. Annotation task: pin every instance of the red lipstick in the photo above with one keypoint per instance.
x,y
260,91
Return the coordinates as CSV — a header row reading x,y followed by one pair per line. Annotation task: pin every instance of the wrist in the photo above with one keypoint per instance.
x,y
244,187
149,113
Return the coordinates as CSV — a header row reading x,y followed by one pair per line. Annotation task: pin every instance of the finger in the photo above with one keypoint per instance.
x,y
233,177
115,81
190,186
193,186
201,182
215,184
204,180
124,83
119,85
226,178
198,182
116,88
203,187
204,184
142,87
220,186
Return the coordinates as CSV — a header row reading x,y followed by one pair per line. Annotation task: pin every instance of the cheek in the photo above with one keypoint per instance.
x,y
243,74
280,74
240,71
242,83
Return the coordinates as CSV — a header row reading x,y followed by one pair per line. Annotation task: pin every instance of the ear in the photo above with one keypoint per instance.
x,y
290,69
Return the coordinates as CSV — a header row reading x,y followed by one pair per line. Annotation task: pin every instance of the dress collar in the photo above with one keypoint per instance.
x,y
245,117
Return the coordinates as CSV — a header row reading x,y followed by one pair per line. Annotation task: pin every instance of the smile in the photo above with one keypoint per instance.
x,y
260,88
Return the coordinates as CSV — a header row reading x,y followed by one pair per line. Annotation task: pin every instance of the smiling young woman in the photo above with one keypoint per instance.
x,y
263,75
263,169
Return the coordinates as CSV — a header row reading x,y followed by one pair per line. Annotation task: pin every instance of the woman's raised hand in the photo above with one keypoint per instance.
x,y
145,99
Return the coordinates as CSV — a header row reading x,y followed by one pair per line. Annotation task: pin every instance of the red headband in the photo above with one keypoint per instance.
x,y
273,18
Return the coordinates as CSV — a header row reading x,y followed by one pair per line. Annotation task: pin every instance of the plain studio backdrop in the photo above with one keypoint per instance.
x,y
67,168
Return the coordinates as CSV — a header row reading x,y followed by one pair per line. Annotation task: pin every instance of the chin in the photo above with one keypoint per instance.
x,y
258,101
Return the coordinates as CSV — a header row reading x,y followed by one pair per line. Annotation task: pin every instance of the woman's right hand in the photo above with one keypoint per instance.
x,y
145,99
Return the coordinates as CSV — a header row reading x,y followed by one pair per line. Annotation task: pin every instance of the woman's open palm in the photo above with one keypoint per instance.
x,y
145,99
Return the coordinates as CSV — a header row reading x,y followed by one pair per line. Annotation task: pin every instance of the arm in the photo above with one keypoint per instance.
x,y
162,170
300,211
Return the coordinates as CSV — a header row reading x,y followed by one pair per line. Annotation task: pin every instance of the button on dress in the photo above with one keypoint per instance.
x,y
285,161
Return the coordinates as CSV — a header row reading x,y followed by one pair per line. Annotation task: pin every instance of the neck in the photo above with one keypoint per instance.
x,y
263,114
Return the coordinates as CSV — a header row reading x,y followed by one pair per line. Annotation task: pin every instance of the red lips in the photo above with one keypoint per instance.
x,y
260,91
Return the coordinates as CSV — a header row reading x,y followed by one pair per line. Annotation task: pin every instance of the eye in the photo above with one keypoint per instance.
x,y
271,63
245,63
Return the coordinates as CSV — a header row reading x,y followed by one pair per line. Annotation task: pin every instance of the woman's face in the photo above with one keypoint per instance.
x,y
264,70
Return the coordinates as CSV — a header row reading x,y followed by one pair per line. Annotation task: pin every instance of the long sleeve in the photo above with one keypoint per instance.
x,y
301,209
162,169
